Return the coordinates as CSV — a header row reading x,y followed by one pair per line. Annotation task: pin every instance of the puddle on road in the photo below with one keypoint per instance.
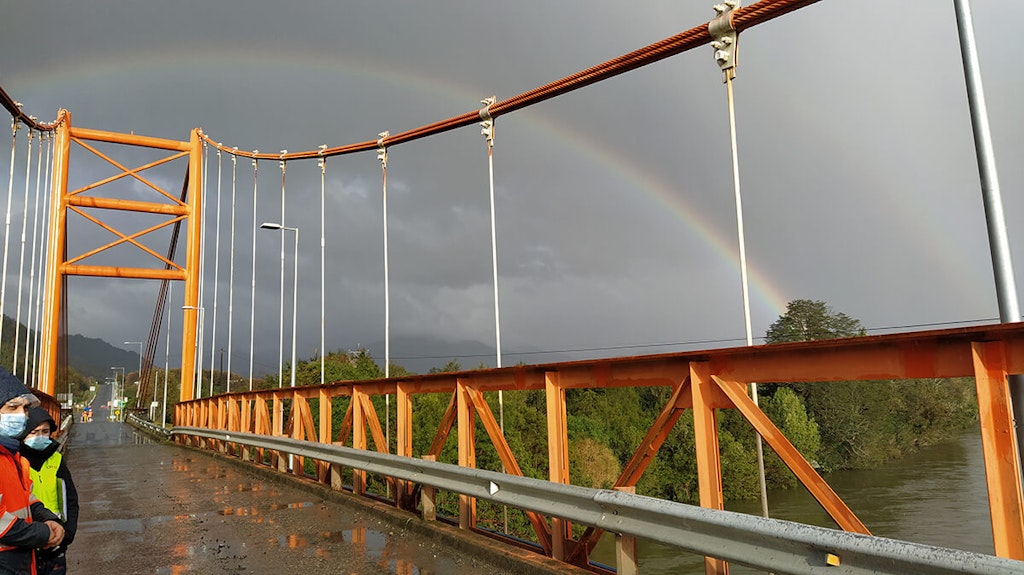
x,y
374,546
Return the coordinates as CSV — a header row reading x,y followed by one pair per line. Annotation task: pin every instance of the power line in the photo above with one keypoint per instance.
x,y
686,343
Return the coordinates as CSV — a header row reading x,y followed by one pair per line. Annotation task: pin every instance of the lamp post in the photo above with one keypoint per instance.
x,y
114,393
295,287
138,343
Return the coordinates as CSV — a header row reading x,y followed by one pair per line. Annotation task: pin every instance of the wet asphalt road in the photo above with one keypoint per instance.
x,y
156,508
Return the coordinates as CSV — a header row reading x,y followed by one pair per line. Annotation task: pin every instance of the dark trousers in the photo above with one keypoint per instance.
x,y
51,565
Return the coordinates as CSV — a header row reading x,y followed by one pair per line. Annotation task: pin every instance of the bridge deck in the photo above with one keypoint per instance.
x,y
149,507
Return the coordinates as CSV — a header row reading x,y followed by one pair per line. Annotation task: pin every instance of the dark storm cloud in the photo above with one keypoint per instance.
x,y
615,210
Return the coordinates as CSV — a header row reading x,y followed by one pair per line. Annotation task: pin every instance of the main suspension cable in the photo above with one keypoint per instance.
x,y
698,36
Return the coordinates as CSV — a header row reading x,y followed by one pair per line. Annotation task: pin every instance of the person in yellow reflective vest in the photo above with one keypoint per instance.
x,y
25,523
51,484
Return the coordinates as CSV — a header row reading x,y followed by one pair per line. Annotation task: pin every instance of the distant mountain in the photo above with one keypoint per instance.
x,y
419,354
94,357
91,357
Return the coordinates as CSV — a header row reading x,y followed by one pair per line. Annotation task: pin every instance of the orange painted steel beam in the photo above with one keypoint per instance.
x,y
115,272
370,416
133,172
558,456
705,438
1002,467
930,354
358,438
403,410
789,454
124,171
127,205
324,435
345,433
445,428
190,313
53,294
508,460
467,452
124,238
403,445
129,139
641,459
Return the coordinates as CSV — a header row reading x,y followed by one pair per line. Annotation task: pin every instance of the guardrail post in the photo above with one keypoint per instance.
x,y
625,545
428,495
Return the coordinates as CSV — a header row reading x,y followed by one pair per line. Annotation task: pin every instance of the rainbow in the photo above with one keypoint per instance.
x,y
765,294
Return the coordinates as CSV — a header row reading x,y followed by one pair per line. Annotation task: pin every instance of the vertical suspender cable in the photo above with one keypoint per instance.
x,y
32,267
252,297
487,129
999,245
216,272
231,272
323,267
198,389
21,264
42,260
7,225
167,353
725,41
759,445
280,352
382,155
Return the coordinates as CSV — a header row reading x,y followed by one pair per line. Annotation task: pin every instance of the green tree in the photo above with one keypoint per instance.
x,y
860,424
807,320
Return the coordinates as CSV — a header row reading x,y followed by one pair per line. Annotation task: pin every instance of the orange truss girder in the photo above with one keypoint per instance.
x,y
706,381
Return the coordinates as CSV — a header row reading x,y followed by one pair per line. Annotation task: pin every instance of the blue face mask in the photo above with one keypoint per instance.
x,y
12,424
38,442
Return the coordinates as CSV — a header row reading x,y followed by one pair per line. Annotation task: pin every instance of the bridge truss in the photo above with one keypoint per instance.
x,y
704,382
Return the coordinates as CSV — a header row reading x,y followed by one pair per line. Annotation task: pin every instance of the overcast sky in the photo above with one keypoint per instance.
x,y
616,222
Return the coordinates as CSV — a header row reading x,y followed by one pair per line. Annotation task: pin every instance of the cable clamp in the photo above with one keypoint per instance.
x,y
724,38
284,165
487,125
255,160
382,151
321,161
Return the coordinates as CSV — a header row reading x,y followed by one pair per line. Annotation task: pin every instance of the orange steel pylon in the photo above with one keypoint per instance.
x,y
86,201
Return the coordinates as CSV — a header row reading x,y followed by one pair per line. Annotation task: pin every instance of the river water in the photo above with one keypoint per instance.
x,y
936,496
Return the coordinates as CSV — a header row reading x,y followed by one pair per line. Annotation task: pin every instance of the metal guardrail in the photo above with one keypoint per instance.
x,y
769,544
149,426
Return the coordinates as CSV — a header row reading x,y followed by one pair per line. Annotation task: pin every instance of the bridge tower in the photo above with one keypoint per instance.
x,y
87,200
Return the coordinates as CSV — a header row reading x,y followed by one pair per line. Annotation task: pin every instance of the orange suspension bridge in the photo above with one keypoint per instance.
x,y
245,422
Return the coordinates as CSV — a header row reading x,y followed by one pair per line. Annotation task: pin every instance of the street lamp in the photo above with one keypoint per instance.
x,y
295,287
114,393
139,343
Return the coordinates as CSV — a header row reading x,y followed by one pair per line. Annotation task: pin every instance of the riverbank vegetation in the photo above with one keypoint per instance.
x,y
836,425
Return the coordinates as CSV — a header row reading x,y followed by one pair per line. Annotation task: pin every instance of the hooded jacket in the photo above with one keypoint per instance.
x,y
21,514
49,470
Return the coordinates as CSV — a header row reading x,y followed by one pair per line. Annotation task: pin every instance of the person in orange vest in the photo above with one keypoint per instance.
x,y
51,484
25,523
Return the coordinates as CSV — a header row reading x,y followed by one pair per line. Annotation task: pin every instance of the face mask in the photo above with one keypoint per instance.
x,y
38,442
12,424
